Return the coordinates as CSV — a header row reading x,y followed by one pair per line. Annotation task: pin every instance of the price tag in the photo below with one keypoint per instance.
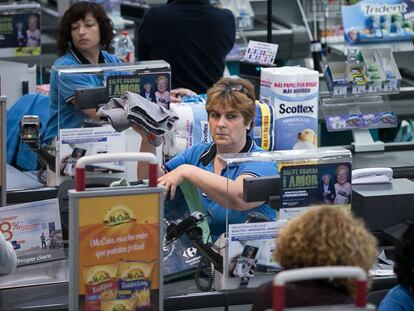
x,y
374,87
393,85
358,89
339,90
336,123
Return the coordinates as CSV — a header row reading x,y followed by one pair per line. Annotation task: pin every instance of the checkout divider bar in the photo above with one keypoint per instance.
x,y
127,156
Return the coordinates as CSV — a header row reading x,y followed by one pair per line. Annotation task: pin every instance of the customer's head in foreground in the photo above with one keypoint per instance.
x,y
326,236
231,110
85,25
404,259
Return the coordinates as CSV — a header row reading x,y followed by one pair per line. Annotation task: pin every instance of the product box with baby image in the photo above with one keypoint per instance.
x,y
293,94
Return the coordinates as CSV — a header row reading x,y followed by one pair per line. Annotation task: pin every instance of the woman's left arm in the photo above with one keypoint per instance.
x,y
223,191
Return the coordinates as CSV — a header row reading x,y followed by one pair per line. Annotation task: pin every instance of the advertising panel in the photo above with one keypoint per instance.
x,y
34,230
118,252
19,34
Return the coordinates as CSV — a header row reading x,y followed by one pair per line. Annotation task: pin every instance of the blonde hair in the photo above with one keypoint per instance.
x,y
224,94
326,236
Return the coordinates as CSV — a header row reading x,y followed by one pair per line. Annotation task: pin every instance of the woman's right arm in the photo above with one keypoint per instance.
x,y
146,146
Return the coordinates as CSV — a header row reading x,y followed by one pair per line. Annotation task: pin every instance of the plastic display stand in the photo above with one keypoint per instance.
x,y
116,240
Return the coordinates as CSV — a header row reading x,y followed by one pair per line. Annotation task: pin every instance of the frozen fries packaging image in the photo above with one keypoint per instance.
x,y
101,283
118,305
135,281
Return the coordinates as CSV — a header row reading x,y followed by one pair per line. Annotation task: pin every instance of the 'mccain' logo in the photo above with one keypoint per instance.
x,y
119,307
100,276
119,215
135,274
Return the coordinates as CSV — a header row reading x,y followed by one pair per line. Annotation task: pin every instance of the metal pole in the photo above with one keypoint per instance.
x,y
269,21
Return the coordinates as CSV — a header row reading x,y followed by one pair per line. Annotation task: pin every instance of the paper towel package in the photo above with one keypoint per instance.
x,y
293,93
191,128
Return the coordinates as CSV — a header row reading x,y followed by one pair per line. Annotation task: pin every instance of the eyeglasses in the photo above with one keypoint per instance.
x,y
233,87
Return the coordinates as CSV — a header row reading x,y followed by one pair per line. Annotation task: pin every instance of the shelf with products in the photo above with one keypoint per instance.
x,y
358,97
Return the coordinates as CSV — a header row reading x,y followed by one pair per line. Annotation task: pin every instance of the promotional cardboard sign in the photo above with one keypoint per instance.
x,y
117,246
154,86
20,34
34,230
314,184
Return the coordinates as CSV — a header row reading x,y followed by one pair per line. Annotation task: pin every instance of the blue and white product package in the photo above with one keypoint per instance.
x,y
378,21
293,93
191,128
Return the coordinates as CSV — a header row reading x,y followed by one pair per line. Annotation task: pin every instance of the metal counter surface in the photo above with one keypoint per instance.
x,y
45,287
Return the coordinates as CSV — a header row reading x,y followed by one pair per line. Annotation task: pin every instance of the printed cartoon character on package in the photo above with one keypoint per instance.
x,y
378,21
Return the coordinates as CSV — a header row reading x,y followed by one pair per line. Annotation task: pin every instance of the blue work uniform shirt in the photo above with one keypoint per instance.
x,y
399,298
202,156
64,114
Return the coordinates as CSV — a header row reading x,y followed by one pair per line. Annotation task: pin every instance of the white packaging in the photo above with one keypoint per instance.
x,y
293,93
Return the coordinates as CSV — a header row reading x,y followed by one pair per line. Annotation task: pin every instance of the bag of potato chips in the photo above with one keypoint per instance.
x,y
135,281
118,305
101,283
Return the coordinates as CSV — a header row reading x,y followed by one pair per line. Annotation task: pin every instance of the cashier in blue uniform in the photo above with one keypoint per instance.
x,y
231,110
85,36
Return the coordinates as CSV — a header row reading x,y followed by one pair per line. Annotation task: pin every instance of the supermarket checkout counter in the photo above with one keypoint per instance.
x,y
45,287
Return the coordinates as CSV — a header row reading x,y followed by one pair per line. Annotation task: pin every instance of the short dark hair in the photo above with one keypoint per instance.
x,y
404,258
78,11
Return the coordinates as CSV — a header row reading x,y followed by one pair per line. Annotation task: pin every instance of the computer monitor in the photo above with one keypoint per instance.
x,y
264,188
93,97
384,208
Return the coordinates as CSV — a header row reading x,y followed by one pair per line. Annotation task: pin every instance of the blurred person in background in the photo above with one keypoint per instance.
x,y
320,236
401,297
193,36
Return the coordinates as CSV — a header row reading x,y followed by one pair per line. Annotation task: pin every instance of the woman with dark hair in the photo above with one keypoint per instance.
x,y
85,36
401,297
231,109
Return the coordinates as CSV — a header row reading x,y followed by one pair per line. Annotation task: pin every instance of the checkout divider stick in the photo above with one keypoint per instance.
x,y
126,156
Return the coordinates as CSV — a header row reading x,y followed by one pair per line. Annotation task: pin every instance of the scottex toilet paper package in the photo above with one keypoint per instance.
x,y
293,93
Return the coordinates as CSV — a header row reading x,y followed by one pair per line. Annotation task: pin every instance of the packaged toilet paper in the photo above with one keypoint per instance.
x,y
262,132
191,128
293,93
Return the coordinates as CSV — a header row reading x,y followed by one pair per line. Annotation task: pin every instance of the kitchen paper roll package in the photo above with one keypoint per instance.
x,y
293,94
191,128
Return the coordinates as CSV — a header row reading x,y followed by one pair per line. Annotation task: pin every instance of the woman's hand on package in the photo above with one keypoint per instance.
x,y
171,180
176,94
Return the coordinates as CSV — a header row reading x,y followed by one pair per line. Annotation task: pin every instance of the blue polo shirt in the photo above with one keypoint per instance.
x,y
399,298
62,113
202,156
